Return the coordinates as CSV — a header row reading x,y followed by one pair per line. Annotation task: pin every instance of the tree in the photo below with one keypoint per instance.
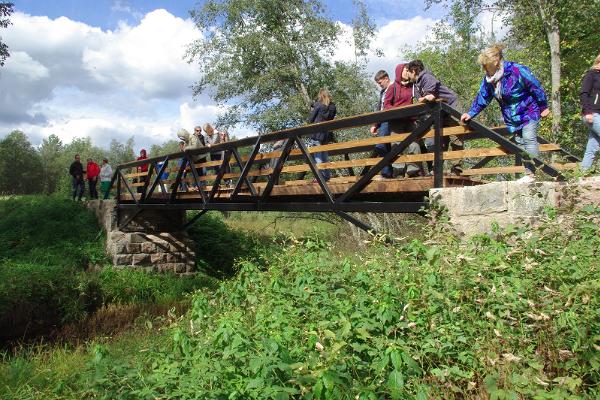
x,y
6,9
267,59
51,152
20,165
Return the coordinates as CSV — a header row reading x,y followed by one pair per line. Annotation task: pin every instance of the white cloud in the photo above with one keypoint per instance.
x,y
74,80
392,38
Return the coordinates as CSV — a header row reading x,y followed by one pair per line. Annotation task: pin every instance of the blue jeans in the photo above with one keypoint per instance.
x,y
593,144
526,138
78,188
384,148
320,157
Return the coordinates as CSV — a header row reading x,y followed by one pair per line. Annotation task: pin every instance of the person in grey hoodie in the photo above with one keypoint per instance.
x,y
429,88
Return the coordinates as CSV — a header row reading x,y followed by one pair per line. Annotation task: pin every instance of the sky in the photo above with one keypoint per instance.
x,y
109,69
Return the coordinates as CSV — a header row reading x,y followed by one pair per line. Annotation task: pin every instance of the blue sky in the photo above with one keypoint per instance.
x,y
106,14
113,69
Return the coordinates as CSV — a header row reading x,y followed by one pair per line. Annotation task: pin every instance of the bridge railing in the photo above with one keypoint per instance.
x,y
246,175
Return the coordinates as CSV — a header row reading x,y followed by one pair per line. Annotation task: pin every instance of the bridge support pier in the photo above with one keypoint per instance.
x,y
152,240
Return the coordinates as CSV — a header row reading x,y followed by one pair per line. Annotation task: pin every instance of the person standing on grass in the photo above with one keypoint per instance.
x,y
590,109
521,98
323,110
76,172
92,172
106,173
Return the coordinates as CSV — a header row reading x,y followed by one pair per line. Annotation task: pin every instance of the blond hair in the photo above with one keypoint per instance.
x,y
492,54
324,97
597,61
208,128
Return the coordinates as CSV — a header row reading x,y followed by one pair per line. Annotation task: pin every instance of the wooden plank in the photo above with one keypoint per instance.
x,y
512,169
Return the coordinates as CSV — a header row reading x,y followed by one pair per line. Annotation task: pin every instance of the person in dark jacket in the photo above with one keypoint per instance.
x,y
429,88
590,109
323,110
76,171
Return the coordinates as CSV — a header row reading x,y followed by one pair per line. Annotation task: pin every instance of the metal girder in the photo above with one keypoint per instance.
x,y
194,219
246,169
315,170
358,206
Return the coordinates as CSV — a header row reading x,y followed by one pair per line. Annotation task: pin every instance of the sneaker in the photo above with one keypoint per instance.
x,y
526,179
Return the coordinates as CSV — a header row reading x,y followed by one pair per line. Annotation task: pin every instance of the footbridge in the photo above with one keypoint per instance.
x,y
278,172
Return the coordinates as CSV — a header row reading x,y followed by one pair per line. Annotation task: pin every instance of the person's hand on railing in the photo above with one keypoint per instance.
x,y
465,118
426,98
373,130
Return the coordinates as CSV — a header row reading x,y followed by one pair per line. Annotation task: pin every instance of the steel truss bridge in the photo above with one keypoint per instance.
x,y
248,178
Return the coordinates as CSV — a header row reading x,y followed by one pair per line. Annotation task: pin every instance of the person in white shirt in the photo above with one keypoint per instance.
x,y
106,174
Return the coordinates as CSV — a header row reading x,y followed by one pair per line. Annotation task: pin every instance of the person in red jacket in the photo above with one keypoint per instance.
x,y
400,94
142,168
92,172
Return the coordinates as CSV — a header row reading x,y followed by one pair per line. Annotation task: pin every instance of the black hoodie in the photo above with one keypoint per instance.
x,y
590,92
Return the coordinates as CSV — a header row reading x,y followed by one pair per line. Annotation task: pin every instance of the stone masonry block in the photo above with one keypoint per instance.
x,y
136,237
159,258
141,259
529,199
148,247
122,259
133,247
481,199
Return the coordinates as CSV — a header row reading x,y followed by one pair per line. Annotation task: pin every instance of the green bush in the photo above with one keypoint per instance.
x,y
134,286
218,246
35,298
48,230
505,317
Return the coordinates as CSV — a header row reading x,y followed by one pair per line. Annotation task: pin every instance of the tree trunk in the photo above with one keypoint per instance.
x,y
553,34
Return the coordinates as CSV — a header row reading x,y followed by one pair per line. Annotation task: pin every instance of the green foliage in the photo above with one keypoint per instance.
x,y
34,298
120,286
48,230
268,58
6,9
218,246
20,165
510,316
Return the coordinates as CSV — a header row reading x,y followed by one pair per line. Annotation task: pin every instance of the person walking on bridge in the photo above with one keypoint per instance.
x,y
590,107
382,129
92,172
521,98
323,110
76,172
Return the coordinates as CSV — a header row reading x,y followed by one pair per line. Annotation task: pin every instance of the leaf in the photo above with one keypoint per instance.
x,y
395,382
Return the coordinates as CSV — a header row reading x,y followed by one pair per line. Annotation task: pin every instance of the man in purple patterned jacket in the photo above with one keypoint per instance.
x,y
521,98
